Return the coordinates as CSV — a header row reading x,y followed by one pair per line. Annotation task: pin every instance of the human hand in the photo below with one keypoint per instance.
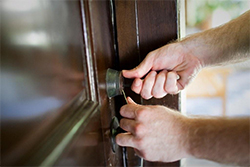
x,y
178,66
156,133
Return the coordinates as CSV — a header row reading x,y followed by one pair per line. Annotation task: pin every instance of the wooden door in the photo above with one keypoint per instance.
x,y
54,57
54,107
143,26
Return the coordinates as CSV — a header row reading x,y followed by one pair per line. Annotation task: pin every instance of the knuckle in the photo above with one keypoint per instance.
x,y
141,112
139,129
137,72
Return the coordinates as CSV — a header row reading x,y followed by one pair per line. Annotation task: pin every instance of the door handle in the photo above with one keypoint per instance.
x,y
114,130
115,82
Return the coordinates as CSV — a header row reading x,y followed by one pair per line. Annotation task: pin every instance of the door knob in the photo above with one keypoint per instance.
x,y
114,130
115,82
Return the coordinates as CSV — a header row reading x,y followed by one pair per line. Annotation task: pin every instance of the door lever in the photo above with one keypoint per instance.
x,y
114,130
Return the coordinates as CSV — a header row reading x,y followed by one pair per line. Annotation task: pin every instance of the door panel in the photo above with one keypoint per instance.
x,y
42,75
54,60
92,147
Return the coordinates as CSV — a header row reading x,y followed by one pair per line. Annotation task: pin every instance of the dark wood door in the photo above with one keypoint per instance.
x,y
54,57
143,26
54,107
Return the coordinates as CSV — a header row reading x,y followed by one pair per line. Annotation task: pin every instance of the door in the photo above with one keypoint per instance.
x,y
54,58
143,26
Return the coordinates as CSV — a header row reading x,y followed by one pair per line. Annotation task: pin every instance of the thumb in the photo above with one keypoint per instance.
x,y
142,69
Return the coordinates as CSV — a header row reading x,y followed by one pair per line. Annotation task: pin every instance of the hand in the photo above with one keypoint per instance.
x,y
178,66
156,133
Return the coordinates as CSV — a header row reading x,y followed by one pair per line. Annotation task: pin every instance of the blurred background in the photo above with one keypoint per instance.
x,y
220,91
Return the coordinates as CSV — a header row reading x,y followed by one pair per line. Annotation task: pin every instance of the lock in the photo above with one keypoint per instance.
x,y
114,130
115,82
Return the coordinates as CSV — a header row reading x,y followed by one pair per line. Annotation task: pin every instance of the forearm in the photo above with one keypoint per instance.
x,y
227,43
224,140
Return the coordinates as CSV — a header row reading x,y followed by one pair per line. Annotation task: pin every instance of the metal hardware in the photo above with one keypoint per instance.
x,y
114,83
114,130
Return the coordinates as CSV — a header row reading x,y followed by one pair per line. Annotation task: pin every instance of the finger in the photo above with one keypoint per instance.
x,y
128,125
131,101
183,81
158,89
171,83
137,85
148,84
142,69
125,140
128,111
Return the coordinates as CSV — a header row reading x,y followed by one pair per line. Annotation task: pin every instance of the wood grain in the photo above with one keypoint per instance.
x,y
143,26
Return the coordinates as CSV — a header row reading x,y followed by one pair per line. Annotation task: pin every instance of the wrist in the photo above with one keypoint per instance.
x,y
197,133
185,137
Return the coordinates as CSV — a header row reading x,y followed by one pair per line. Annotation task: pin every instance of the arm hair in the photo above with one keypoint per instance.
x,y
228,43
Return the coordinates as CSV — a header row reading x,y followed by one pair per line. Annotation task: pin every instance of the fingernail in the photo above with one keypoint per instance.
x,y
129,99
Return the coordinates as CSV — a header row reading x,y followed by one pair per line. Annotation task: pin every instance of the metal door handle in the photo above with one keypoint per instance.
x,y
114,130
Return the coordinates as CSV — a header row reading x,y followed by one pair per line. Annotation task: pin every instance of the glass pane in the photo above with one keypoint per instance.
x,y
41,69
87,149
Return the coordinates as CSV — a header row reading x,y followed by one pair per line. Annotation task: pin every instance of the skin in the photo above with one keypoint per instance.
x,y
159,133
